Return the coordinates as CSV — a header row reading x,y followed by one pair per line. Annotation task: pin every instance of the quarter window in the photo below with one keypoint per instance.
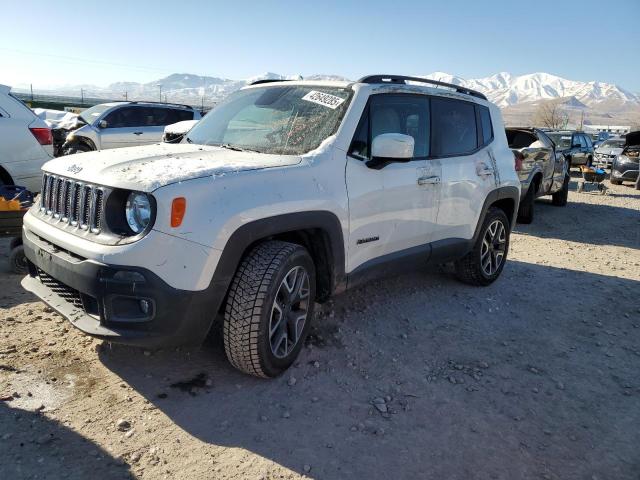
x,y
485,122
454,130
405,114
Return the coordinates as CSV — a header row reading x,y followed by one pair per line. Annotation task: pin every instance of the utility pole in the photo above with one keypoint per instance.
x,y
160,87
31,86
126,97
82,96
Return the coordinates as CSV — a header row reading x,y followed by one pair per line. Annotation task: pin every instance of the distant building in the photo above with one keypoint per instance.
x,y
615,129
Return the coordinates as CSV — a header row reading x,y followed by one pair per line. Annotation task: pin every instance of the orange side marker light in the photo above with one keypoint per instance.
x,y
178,209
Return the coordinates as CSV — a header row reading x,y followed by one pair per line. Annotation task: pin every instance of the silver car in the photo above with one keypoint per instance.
x,y
124,124
608,150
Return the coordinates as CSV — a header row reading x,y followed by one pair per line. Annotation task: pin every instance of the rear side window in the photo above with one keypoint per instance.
x,y
485,123
387,113
588,140
454,129
176,116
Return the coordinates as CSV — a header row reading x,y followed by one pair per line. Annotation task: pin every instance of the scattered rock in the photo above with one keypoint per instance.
x,y
123,425
292,381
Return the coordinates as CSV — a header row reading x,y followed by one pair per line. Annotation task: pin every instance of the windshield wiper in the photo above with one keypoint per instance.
x,y
235,148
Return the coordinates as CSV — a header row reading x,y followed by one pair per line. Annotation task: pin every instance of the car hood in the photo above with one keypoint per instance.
x,y
632,139
180,127
609,150
151,167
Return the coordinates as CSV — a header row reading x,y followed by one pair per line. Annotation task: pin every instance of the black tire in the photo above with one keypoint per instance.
x,y
614,181
589,161
14,242
77,148
251,307
469,269
17,260
525,211
559,198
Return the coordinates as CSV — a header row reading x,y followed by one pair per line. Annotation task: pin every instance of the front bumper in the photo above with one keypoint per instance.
x,y
625,171
121,304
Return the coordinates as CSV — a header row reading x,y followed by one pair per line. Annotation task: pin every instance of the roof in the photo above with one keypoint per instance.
x,y
4,88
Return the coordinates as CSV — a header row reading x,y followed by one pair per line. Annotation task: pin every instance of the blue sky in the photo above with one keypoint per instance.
x,y
90,42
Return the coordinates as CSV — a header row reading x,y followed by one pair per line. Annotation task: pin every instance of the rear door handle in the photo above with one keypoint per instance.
x,y
137,133
429,180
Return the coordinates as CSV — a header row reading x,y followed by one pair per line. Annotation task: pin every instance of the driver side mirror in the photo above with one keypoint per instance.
x,y
103,124
389,148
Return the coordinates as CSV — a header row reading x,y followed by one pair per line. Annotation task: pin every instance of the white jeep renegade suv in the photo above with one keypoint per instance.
x,y
284,194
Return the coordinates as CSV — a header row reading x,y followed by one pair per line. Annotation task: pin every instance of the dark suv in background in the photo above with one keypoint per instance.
x,y
626,165
577,147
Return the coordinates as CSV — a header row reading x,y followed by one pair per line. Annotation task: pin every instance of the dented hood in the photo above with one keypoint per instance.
x,y
151,167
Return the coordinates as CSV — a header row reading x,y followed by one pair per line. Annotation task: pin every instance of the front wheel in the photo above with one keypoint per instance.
x,y
76,148
559,199
483,265
17,260
614,181
269,308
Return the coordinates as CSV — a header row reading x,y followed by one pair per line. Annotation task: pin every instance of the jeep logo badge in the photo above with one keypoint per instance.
x,y
74,169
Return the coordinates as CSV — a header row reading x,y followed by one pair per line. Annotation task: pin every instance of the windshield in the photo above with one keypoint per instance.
x,y
91,114
562,140
284,120
617,143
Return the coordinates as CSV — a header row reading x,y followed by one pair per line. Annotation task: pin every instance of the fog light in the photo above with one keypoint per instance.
x,y
145,306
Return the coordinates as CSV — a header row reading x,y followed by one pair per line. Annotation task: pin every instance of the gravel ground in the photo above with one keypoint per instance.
x,y
536,376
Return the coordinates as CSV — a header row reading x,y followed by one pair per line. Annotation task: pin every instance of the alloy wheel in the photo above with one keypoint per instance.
x,y
493,247
289,312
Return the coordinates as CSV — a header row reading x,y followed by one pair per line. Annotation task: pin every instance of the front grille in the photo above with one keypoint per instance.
x,y
69,294
76,203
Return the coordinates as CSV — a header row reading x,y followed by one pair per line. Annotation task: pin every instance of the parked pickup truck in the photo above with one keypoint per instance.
x,y
541,168
284,194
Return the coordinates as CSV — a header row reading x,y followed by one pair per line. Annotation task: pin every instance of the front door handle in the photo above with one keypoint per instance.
x,y
429,180
137,133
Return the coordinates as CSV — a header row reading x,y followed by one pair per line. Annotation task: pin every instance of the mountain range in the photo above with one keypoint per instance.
x,y
513,93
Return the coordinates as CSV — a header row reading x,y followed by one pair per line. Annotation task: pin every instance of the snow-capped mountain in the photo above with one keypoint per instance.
x,y
506,90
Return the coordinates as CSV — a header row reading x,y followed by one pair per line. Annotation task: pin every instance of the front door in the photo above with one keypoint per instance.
x,y
126,127
393,209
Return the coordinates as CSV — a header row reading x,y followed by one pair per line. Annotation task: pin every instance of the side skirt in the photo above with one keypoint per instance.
x,y
408,260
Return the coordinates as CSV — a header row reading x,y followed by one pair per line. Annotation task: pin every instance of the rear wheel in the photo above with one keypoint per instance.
x,y
483,265
525,211
559,199
269,308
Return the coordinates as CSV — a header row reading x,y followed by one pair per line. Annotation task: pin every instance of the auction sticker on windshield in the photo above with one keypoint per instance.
x,y
324,99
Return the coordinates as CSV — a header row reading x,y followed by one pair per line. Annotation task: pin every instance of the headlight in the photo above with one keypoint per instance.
x,y
138,211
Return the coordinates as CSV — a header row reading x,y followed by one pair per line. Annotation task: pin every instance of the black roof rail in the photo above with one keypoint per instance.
x,y
169,104
269,80
403,80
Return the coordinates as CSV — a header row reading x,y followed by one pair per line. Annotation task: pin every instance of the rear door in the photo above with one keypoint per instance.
x,y
461,139
393,209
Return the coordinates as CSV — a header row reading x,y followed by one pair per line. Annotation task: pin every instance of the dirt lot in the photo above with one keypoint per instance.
x,y
536,376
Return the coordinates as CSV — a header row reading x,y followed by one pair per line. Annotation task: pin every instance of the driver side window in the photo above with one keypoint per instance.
x,y
393,113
